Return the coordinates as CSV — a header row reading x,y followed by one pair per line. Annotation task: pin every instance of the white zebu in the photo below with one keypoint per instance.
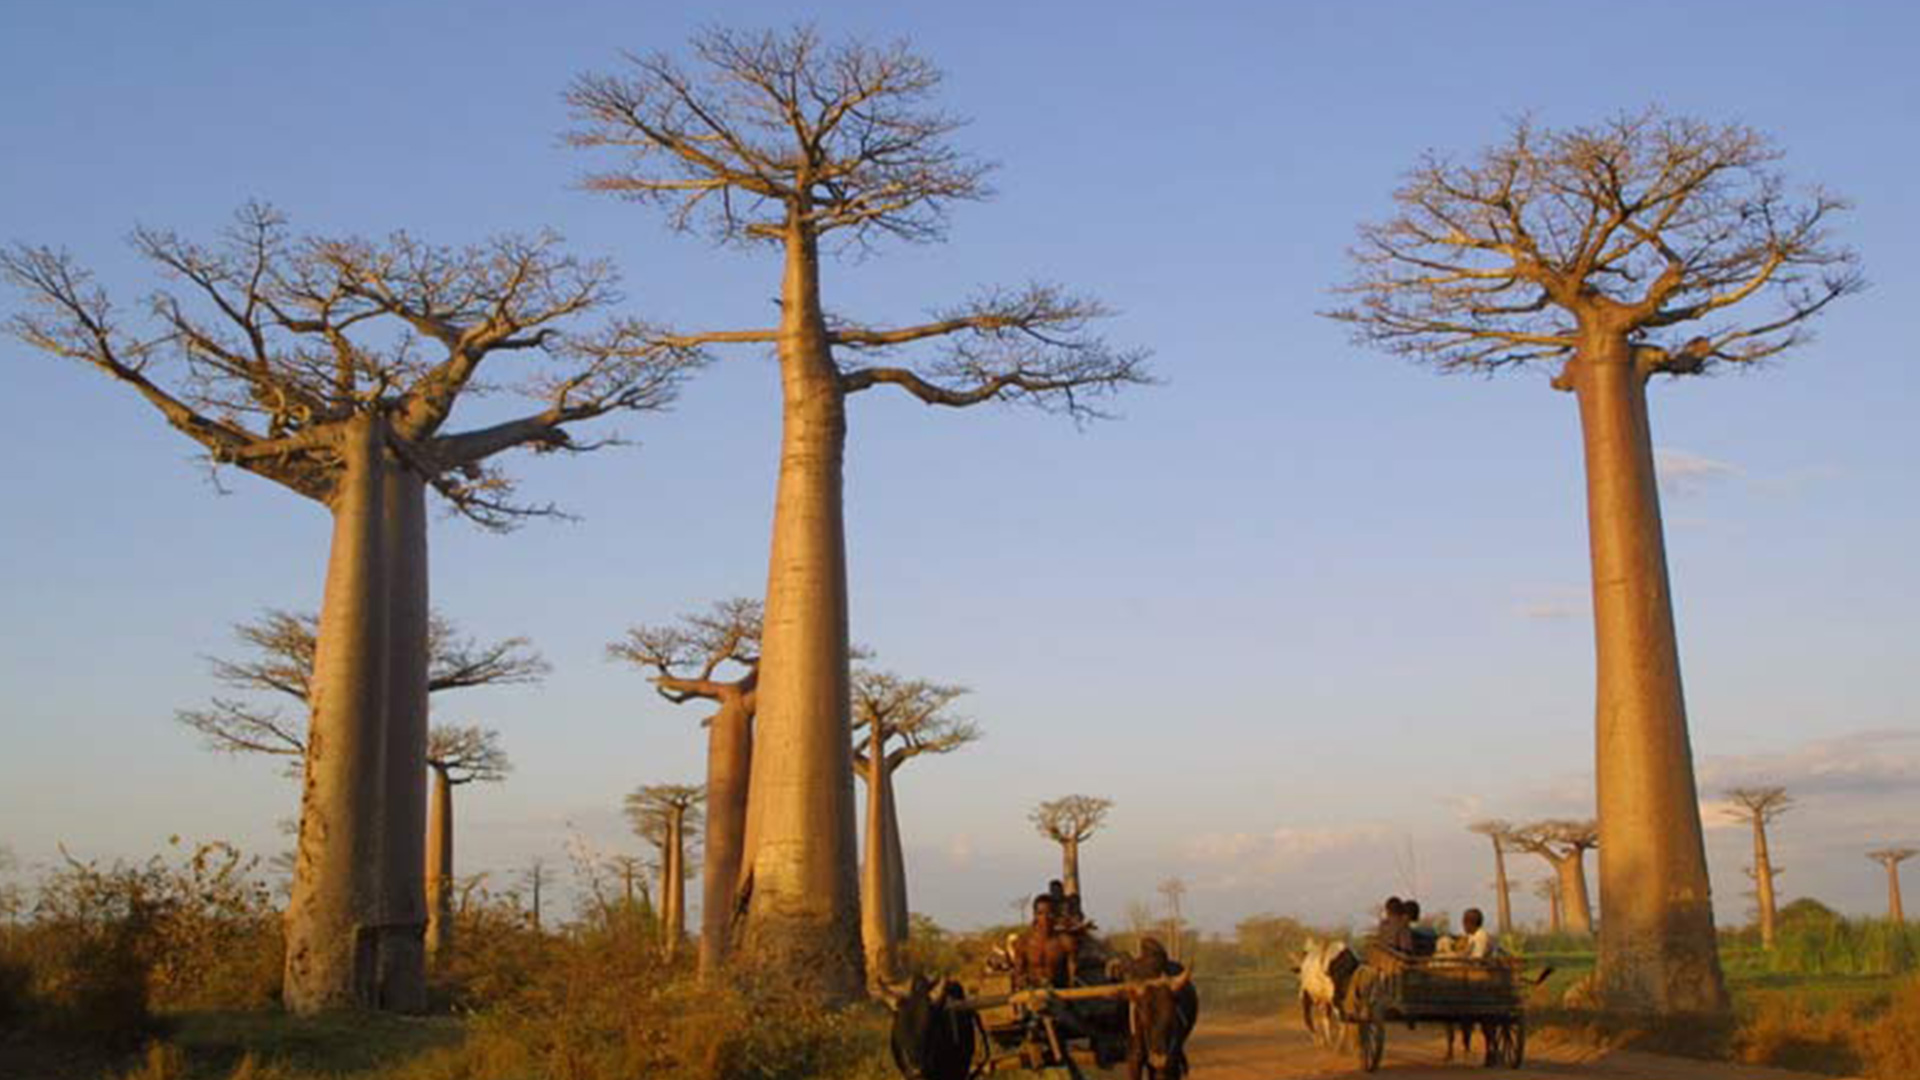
x,y
1319,994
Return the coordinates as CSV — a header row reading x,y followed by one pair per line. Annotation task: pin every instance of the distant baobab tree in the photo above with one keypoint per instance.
x,y
1758,806
332,367
282,645
1173,889
534,878
1564,845
687,659
895,720
782,140
1070,822
1618,252
1548,889
1891,858
632,870
456,755
662,814
1500,833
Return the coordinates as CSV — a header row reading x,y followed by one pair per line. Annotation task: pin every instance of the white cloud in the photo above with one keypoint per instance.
x,y
1682,472
1872,762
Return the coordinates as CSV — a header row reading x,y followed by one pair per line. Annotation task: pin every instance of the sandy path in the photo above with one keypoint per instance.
x,y
1240,1048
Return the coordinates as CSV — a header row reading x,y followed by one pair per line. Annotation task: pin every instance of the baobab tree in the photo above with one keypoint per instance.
x,y
281,663
331,367
1758,806
661,814
1548,889
1499,832
1174,889
895,720
1564,845
1070,821
1618,252
534,879
1891,858
688,659
782,140
456,755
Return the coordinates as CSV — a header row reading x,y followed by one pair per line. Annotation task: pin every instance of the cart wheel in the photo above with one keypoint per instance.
x,y
1514,1046
1371,1041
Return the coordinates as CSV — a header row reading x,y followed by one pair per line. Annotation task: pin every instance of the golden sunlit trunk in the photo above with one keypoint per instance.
x,y
440,868
402,972
1896,914
875,887
1504,895
1070,866
729,757
802,918
1554,921
673,884
1576,907
1763,880
896,864
1657,947
333,915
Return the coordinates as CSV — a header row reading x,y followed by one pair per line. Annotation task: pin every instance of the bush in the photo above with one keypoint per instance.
x,y
1788,1032
1892,1043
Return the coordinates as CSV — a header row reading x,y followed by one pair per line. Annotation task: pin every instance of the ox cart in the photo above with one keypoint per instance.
x,y
1042,1028
1393,986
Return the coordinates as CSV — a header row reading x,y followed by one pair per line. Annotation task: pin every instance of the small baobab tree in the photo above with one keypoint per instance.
x,y
332,368
534,880
1548,889
895,720
781,140
662,814
1564,845
1618,252
1070,821
1174,890
1891,858
1758,806
1499,832
456,755
712,656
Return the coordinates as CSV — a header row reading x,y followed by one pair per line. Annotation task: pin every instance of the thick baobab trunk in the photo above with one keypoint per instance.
x,y
876,893
1895,913
440,867
1503,892
803,901
1576,908
1555,922
1070,866
334,913
673,883
729,757
896,865
402,971
1763,880
1657,946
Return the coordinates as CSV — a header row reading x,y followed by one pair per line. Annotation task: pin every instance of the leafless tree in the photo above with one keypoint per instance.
x,y
901,719
1499,833
1758,806
688,659
1173,890
1891,858
661,814
784,140
534,879
456,755
331,367
1070,821
1564,844
282,643
1548,889
1646,245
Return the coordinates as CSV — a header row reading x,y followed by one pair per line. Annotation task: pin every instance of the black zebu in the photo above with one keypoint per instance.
x,y
933,1036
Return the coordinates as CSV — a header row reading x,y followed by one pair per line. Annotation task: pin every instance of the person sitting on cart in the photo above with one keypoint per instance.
x,y
1425,940
1045,954
1395,931
1476,942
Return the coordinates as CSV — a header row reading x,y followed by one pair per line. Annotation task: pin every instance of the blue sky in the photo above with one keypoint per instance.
x,y
1298,612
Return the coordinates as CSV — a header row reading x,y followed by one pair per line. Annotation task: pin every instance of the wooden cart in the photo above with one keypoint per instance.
x,y
1392,986
1039,1029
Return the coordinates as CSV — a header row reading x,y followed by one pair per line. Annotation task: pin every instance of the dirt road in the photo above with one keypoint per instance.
x,y
1238,1048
